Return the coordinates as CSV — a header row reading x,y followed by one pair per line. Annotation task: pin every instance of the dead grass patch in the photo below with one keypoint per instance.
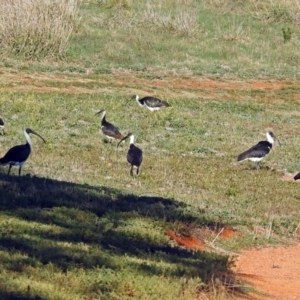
x,y
36,29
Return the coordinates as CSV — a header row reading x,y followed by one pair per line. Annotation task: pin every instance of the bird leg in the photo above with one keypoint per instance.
x,y
137,171
20,168
131,171
9,169
257,165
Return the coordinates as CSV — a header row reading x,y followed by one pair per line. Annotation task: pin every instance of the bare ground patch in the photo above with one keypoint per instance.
x,y
274,271
131,83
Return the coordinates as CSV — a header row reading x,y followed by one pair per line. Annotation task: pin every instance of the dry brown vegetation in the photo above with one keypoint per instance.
x,y
31,28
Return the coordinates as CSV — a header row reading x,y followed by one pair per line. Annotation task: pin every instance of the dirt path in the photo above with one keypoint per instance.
x,y
275,272
131,83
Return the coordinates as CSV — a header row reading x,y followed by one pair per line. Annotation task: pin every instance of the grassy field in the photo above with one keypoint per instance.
x,y
248,39
76,225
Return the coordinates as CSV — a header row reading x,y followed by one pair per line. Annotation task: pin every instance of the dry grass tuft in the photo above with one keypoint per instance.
x,y
181,21
36,29
277,11
118,4
232,31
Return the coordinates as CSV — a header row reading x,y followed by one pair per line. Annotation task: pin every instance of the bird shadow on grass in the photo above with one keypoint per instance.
x,y
46,214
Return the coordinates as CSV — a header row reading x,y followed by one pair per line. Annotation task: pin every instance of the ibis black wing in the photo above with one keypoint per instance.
x,y
154,102
257,151
135,156
110,130
18,153
297,176
1,122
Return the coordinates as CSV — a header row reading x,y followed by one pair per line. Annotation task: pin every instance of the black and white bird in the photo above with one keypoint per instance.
x,y
151,103
17,155
108,129
134,154
1,126
260,150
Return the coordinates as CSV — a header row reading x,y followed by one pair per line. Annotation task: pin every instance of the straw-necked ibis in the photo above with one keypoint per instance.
x,y
134,154
151,103
260,150
108,129
17,155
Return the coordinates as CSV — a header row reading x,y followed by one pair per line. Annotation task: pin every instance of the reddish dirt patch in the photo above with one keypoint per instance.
x,y
219,230
188,242
131,83
228,232
198,237
273,272
227,85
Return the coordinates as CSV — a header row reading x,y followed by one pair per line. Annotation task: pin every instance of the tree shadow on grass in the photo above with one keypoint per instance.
x,y
18,296
48,214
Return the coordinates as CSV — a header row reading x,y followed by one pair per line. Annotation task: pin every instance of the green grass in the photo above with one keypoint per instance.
x,y
212,38
76,225
63,240
223,41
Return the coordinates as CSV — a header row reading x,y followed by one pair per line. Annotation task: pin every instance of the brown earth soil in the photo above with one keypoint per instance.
x,y
129,83
273,272
188,242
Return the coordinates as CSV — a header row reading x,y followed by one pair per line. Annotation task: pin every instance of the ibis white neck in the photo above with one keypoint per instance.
x,y
270,138
131,141
103,115
137,98
28,139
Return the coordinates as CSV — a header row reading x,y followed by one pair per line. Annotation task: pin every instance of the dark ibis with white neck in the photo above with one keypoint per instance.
x,y
134,154
151,103
18,155
108,129
260,150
